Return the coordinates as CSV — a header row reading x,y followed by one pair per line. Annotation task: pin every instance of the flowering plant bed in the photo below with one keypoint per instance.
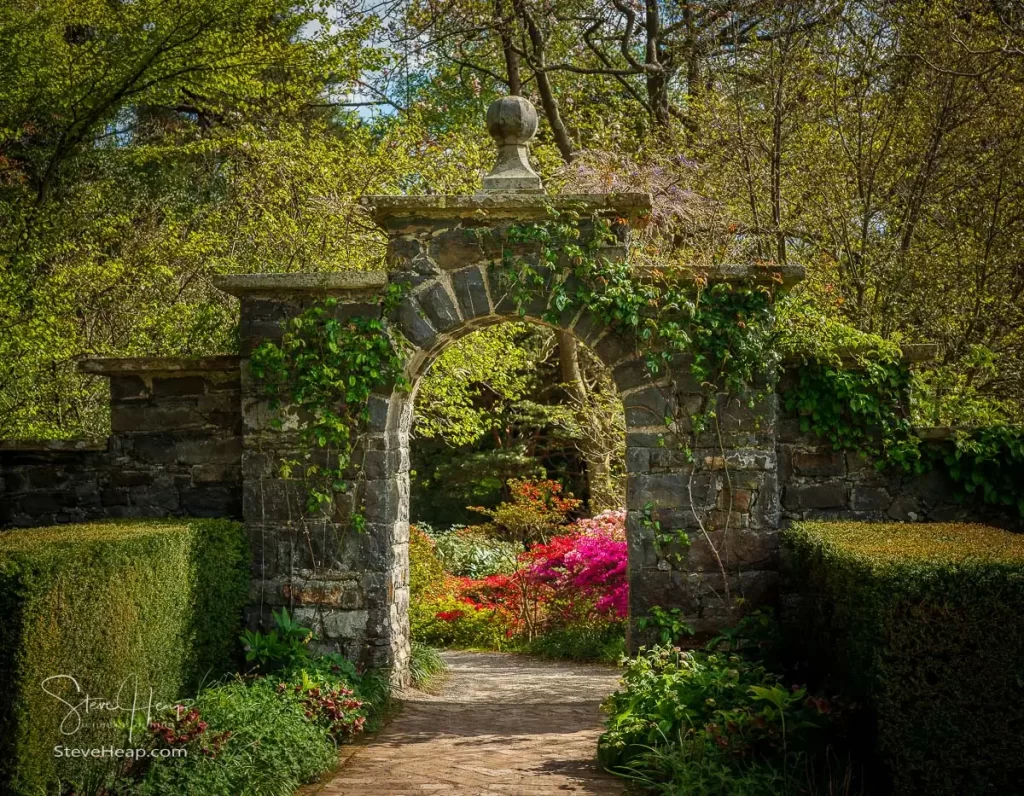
x,y
564,592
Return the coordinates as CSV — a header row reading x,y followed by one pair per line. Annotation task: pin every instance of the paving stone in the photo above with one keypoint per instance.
x,y
503,724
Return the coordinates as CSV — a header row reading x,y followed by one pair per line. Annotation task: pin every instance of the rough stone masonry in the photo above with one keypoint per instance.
x,y
353,588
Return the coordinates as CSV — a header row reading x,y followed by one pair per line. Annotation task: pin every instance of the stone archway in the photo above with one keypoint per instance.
x,y
447,252
450,257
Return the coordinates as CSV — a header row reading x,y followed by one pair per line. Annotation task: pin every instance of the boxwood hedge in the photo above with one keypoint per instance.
x,y
923,625
99,623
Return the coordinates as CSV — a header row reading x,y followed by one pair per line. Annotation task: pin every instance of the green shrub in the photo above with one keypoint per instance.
x,y
442,619
426,572
598,642
147,608
434,604
264,734
711,723
472,553
923,625
284,653
272,748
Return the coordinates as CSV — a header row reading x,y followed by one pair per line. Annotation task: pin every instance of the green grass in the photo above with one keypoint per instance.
x,y
426,666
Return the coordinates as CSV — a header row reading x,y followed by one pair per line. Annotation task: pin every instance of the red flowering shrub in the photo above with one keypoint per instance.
x,y
570,578
329,704
588,564
538,509
183,728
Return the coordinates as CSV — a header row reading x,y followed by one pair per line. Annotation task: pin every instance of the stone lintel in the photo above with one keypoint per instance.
x,y
920,352
935,433
501,205
174,366
781,275
276,285
52,445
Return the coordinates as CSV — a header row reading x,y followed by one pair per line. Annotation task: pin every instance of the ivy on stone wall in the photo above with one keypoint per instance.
x,y
322,373
853,390
987,465
724,328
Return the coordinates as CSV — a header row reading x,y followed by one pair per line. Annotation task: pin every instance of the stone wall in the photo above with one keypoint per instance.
x,y
817,483
174,450
48,483
198,437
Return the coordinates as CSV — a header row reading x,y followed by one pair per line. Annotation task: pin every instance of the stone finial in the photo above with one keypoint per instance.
x,y
512,122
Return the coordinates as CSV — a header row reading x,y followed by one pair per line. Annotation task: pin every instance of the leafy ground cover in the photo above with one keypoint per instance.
x,y
264,731
723,721
537,581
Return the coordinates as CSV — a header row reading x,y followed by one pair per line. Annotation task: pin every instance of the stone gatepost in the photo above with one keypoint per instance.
x,y
718,487
350,588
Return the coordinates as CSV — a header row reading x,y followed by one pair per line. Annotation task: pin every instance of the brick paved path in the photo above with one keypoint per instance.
x,y
501,724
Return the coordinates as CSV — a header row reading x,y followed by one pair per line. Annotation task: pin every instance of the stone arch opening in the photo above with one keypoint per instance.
x,y
446,305
643,399
498,366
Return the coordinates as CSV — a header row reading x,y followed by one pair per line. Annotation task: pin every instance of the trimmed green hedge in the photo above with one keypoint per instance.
x,y
135,612
923,625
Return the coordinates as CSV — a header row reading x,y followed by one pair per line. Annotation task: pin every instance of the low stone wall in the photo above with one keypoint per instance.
x,y
818,483
175,449
49,483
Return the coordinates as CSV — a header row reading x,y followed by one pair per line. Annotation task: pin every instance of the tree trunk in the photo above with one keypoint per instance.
x,y
600,487
515,86
547,95
657,75
693,77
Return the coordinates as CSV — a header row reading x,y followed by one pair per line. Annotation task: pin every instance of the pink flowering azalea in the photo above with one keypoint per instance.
x,y
589,561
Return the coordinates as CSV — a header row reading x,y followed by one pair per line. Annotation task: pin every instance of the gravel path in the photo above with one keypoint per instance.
x,y
501,724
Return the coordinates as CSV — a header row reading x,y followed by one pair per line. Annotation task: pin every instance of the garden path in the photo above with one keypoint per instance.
x,y
500,724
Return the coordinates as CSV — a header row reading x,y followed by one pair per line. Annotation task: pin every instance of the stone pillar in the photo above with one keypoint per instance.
x,y
719,489
351,588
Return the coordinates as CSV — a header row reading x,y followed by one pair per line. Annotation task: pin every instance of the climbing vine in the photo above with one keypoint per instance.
x,y
859,407
722,330
987,465
671,545
853,390
319,379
